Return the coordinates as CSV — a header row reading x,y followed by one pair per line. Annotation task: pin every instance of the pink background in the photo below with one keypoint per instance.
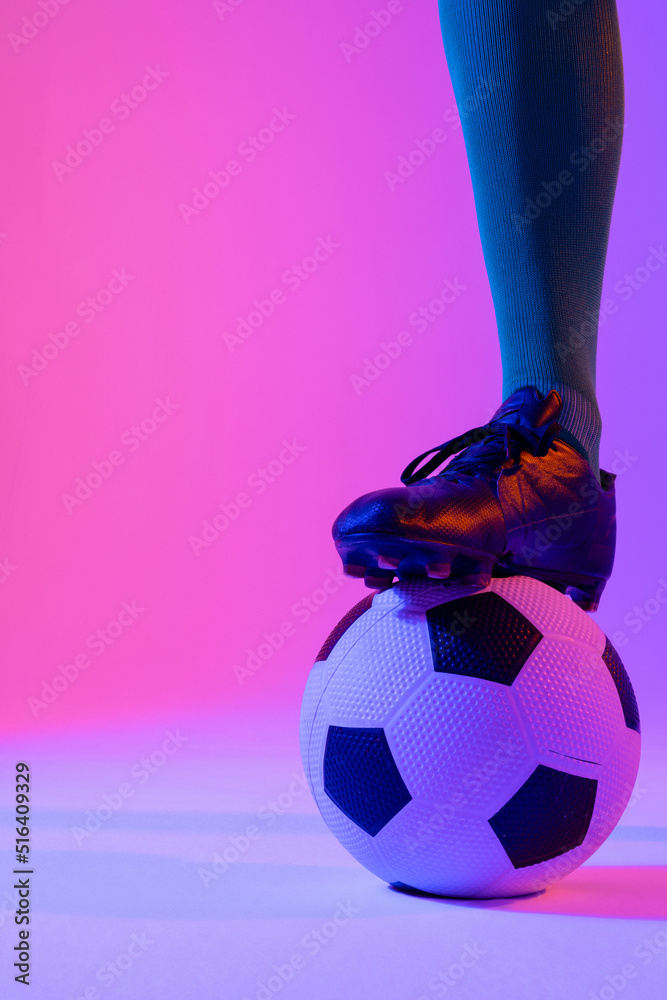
x,y
116,632
218,76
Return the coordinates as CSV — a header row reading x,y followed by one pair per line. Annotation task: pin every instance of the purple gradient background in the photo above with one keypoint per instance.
x,y
163,337
64,575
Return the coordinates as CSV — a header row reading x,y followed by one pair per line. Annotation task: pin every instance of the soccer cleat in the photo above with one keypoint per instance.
x,y
518,499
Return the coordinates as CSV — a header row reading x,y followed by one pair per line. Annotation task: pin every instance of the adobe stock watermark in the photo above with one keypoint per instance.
x,y
223,7
641,615
302,611
293,278
562,524
566,9
32,24
258,481
626,287
645,953
420,319
121,108
238,846
311,944
425,148
588,669
108,974
581,158
637,794
88,309
140,773
568,521
7,570
420,492
98,642
9,905
474,781
440,984
249,149
363,35
557,868
130,440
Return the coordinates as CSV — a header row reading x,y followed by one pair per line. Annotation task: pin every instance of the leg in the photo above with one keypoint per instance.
x,y
543,151
525,495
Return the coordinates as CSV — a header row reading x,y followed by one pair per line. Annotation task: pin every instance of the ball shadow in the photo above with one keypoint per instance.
x,y
626,892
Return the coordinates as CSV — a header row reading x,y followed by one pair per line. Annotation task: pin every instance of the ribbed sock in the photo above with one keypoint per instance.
x,y
539,85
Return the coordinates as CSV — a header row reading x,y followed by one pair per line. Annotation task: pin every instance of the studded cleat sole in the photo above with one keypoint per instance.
x,y
378,558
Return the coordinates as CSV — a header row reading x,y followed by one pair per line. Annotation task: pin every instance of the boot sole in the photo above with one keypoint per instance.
x,y
378,558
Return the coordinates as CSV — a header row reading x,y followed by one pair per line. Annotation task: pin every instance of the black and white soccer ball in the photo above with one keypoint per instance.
x,y
470,744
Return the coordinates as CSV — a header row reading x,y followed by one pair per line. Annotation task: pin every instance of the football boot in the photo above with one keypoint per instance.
x,y
517,499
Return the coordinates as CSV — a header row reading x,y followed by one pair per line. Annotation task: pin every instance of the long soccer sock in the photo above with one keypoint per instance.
x,y
539,85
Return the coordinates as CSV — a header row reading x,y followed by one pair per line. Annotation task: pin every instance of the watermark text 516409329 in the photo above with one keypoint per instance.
x,y
24,872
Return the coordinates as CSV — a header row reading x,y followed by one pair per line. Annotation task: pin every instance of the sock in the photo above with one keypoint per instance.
x,y
539,87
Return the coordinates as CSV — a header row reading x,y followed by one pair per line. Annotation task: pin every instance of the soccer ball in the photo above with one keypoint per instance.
x,y
466,743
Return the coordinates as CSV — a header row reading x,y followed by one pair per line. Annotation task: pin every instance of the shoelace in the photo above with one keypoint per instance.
x,y
484,445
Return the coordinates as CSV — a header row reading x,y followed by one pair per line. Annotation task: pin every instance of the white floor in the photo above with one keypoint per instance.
x,y
146,906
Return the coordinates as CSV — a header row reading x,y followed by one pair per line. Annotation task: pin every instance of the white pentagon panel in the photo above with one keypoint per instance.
x,y
311,699
458,740
569,701
382,667
322,671
615,786
368,620
360,844
436,851
316,744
